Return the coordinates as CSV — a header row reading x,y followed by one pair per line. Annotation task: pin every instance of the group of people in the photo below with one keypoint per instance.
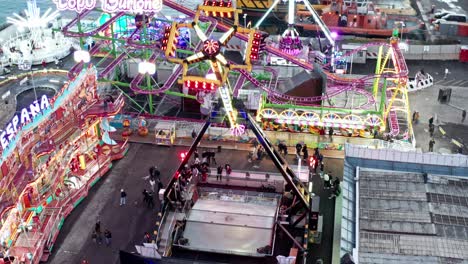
x,y
316,163
431,129
97,234
219,171
302,148
207,157
201,169
257,153
155,185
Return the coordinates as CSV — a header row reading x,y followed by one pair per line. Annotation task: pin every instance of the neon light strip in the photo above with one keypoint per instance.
x,y
291,12
224,93
266,14
319,21
44,115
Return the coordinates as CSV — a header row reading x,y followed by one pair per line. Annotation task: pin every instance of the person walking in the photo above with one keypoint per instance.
x,y
97,230
228,169
94,236
463,116
447,72
152,183
213,157
305,152
330,134
107,237
322,169
298,150
326,181
260,153
123,197
147,238
253,154
157,172
219,173
431,130
150,200
160,185
145,196
336,188
431,145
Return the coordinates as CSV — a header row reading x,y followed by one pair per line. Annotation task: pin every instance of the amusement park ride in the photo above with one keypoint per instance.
x,y
358,17
354,106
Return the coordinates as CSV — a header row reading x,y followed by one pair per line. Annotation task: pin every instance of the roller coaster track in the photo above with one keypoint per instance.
x,y
79,66
134,85
278,97
240,81
112,65
132,43
402,77
244,37
66,29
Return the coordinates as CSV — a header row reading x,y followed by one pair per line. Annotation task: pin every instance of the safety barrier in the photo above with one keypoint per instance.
x,y
423,52
416,85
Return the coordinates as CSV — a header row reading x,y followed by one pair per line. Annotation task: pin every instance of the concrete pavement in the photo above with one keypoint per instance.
x,y
424,9
425,102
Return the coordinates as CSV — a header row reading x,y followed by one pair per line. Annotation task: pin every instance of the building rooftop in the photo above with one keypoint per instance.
x,y
412,218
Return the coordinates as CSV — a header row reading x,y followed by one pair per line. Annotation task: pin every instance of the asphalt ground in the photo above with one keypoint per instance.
x,y
128,223
447,116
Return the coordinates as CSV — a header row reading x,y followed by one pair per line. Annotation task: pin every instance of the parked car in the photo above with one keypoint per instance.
x,y
441,14
451,18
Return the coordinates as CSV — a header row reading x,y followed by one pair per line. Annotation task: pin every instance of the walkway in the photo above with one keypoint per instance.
x,y
128,223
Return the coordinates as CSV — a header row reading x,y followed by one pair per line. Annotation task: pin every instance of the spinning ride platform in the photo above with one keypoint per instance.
x,y
231,223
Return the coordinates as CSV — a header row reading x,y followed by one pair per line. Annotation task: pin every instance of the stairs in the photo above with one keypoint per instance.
x,y
298,188
165,239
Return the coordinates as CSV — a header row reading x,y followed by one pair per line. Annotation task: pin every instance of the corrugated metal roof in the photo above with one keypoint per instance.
x,y
404,220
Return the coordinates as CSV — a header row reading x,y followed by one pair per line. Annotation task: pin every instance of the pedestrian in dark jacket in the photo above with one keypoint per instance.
x,y
107,237
123,197
219,173
147,238
145,196
298,150
97,230
305,152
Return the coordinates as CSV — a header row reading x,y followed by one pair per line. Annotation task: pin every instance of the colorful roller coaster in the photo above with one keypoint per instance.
x,y
382,95
355,105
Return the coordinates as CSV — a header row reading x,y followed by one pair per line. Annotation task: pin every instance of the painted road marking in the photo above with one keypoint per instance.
x,y
457,82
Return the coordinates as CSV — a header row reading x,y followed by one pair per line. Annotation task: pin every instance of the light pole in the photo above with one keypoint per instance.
x,y
402,27
146,67
82,56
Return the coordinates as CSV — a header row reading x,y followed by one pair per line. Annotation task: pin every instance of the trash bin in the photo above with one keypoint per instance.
x,y
444,95
219,149
464,54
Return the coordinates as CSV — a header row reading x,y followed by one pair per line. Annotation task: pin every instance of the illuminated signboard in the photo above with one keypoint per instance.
x,y
18,121
111,6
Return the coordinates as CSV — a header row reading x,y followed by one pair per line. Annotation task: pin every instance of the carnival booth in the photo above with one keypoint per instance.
x,y
165,133
49,163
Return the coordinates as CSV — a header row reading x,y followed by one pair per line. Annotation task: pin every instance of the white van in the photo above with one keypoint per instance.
x,y
452,18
